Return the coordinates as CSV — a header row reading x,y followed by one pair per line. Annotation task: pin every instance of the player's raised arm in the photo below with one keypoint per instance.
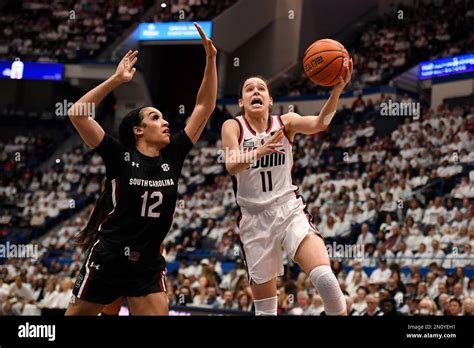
x,y
89,130
295,123
206,97
236,160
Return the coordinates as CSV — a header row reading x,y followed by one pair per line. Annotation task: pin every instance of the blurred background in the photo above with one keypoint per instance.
x,y
402,186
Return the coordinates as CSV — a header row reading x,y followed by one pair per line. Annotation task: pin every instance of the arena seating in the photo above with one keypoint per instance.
x,y
353,201
39,30
397,195
389,46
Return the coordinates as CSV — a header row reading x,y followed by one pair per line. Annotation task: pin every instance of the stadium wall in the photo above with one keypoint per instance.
x,y
129,96
451,87
320,24
271,32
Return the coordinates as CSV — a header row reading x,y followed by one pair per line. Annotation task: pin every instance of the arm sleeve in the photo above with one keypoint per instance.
x,y
179,146
114,155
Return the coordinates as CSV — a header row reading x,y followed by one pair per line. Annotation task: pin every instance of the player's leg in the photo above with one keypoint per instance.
x,y
95,287
113,309
152,304
91,297
263,258
313,259
80,307
147,295
306,247
265,297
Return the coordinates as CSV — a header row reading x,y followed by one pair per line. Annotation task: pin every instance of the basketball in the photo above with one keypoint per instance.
x,y
324,62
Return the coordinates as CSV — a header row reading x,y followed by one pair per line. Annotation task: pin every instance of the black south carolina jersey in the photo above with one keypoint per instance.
x,y
143,193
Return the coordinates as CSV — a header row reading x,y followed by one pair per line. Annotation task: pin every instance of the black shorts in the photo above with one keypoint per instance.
x,y
105,276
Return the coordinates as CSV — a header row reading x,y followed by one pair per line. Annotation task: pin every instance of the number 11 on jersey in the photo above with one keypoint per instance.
x,y
266,181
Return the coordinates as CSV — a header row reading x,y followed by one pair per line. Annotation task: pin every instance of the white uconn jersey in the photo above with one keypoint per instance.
x,y
269,178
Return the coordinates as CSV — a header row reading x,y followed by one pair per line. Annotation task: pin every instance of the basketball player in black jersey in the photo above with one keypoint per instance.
x,y
135,212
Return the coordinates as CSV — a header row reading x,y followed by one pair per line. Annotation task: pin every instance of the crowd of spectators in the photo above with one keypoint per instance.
x,y
34,198
64,31
406,196
189,10
71,31
399,40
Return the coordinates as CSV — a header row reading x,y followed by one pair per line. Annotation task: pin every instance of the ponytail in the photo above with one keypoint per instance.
x,y
86,238
126,134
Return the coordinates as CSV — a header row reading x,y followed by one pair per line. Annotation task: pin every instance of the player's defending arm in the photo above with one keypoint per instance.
x,y
237,161
295,123
206,97
89,130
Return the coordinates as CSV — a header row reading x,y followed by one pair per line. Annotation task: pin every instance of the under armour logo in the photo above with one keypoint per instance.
x,y
134,164
165,167
94,265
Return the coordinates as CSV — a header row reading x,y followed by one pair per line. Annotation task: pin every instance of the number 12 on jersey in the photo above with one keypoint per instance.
x,y
266,180
149,212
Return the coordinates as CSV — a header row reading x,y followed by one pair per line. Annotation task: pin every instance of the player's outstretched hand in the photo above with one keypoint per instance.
x,y
343,82
211,51
125,69
273,144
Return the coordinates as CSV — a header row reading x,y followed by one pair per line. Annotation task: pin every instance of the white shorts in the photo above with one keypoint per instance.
x,y
264,233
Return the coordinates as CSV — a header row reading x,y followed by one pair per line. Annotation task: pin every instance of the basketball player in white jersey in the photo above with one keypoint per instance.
x,y
258,155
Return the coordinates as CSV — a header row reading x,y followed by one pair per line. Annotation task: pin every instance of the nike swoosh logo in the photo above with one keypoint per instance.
x,y
247,139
